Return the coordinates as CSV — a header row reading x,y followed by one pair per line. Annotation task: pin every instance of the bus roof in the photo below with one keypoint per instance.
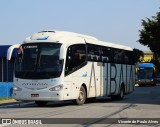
x,y
57,36
146,65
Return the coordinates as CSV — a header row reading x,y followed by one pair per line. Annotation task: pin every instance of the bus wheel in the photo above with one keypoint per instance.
x,y
82,97
41,103
120,96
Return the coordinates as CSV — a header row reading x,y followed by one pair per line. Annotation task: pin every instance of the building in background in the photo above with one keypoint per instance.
x,y
148,56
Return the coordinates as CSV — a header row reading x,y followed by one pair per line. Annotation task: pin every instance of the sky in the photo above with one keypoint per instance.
x,y
116,21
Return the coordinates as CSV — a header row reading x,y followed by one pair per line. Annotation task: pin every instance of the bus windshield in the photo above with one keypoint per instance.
x,y
146,72
38,61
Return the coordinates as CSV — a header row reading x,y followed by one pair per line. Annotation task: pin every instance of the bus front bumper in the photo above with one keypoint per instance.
x,y
146,82
38,95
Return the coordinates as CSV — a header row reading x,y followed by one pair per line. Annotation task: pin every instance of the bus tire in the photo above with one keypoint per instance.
x,y
41,103
81,98
120,96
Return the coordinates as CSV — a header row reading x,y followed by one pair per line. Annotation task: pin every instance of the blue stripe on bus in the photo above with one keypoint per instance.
x,y
43,38
145,65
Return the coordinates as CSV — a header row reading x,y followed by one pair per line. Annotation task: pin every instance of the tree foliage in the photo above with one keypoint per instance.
x,y
150,33
137,55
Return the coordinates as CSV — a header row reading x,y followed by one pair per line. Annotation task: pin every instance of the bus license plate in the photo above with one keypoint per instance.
x,y
34,95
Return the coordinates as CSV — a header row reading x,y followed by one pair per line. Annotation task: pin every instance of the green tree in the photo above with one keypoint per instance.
x,y
150,34
137,55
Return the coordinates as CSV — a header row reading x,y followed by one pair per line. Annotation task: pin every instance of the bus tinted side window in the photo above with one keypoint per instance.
x,y
123,56
105,54
76,57
98,53
130,56
93,52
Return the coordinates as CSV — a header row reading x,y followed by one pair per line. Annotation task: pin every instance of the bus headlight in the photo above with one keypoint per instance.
x,y
16,88
56,88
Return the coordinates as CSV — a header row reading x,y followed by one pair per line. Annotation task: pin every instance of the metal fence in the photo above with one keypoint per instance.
x,y
6,72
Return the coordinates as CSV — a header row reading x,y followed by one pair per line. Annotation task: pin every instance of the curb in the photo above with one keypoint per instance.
x,y
12,103
9,101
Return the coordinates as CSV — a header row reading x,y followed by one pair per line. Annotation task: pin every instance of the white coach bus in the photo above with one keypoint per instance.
x,y
57,65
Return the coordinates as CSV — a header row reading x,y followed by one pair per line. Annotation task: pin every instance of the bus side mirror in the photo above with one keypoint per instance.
x,y
10,50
